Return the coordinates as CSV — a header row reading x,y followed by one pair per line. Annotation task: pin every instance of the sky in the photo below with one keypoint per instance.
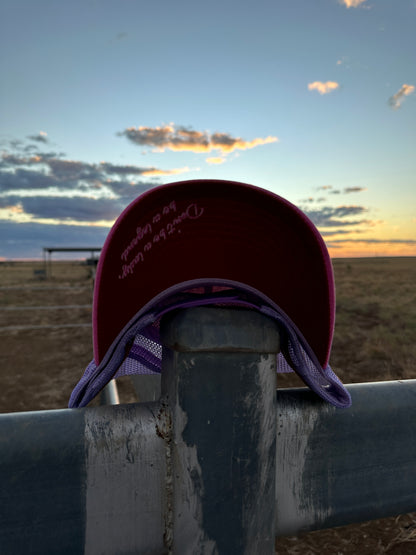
x,y
101,100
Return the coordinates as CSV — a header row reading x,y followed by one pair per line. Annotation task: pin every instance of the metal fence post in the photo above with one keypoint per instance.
x,y
109,395
218,419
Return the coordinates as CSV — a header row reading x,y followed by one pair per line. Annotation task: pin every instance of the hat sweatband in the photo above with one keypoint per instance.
x,y
137,349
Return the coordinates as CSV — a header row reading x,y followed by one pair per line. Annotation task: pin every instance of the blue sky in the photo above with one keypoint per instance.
x,y
314,100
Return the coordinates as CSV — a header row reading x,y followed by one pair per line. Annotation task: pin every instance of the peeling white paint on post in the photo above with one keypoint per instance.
x,y
268,425
357,464
297,507
189,489
125,469
219,382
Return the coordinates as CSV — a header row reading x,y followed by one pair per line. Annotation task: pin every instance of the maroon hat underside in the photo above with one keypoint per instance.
x,y
206,229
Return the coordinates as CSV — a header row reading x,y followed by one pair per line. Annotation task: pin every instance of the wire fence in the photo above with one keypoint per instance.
x,y
40,308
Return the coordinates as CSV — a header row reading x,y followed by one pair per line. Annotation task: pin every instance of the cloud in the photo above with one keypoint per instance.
x,y
348,190
332,232
323,88
310,200
352,3
77,208
127,190
215,160
122,170
46,186
180,138
173,171
41,137
23,178
340,216
397,99
49,171
51,198
70,169
8,160
136,170
26,240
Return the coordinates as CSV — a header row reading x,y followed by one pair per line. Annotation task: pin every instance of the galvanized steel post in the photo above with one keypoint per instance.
x,y
218,420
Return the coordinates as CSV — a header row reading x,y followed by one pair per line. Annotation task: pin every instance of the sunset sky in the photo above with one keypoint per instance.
x,y
103,99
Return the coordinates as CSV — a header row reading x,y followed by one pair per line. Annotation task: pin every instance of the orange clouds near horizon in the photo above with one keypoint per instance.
x,y
364,249
173,171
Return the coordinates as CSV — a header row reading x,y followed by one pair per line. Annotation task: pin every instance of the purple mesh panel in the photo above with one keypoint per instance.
x,y
145,357
282,367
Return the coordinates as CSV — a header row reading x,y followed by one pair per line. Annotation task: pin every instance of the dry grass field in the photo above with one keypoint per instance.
x,y
375,328
44,350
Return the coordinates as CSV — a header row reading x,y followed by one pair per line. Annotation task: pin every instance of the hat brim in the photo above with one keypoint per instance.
x,y
206,229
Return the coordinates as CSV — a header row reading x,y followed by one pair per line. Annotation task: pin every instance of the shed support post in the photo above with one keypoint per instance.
x,y
218,419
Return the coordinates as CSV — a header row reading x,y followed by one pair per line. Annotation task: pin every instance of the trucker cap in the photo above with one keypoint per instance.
x,y
212,242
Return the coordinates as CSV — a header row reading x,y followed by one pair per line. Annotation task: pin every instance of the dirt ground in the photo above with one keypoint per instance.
x,y
374,340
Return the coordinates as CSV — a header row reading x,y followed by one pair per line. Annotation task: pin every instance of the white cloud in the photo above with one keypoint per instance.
x,y
397,99
352,3
323,88
215,160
